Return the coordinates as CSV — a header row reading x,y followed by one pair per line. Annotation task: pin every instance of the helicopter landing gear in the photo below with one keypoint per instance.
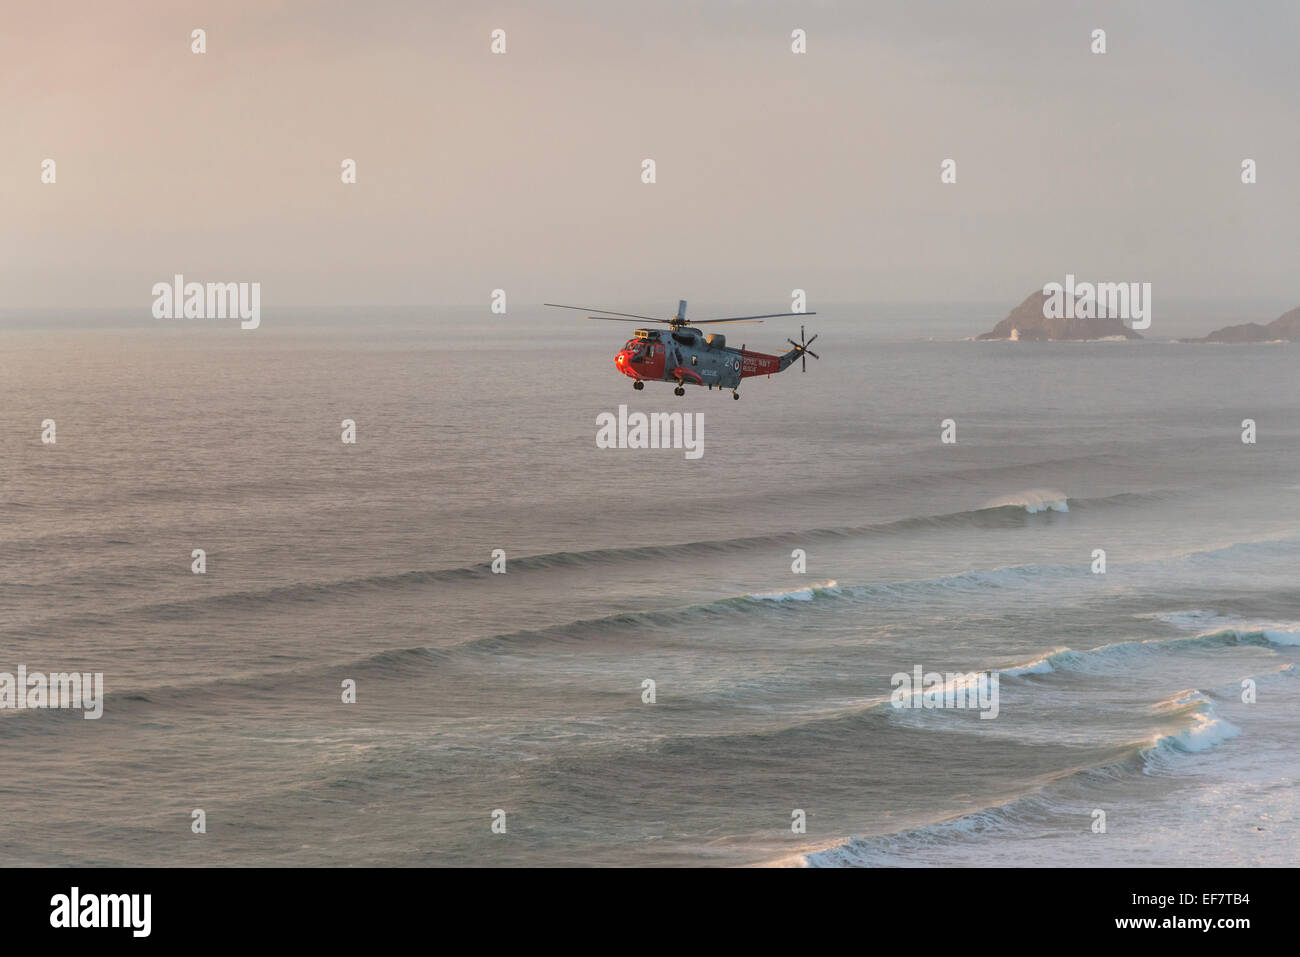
x,y
679,391
735,395
638,385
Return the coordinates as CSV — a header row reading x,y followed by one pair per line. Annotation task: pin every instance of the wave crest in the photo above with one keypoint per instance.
x,y
1033,501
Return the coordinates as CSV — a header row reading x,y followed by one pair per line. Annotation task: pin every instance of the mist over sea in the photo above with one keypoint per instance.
x,y
1120,692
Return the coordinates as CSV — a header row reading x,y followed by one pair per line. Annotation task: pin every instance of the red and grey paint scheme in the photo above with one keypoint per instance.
x,y
682,355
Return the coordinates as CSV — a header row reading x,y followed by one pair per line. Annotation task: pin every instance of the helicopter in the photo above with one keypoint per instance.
x,y
680,354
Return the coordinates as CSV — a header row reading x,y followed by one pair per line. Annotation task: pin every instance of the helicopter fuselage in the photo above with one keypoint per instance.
x,y
685,356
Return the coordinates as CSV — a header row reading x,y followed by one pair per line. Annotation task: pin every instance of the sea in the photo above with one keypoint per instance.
x,y
674,661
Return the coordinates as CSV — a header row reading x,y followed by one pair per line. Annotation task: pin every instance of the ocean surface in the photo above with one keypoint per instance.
x,y
522,692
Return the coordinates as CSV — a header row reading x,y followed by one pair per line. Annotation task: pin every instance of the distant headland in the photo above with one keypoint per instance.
x,y
1285,327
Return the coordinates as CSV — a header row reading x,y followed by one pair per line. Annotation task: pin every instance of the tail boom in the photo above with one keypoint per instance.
x,y
759,363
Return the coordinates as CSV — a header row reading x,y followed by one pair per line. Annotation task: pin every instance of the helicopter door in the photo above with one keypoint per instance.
x,y
653,367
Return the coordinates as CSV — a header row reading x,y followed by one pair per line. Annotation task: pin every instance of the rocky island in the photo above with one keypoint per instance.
x,y
1026,322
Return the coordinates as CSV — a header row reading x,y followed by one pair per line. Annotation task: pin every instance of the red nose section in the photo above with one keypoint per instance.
x,y
624,362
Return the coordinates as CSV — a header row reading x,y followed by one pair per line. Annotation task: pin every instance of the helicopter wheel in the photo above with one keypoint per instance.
x,y
638,385
679,391
736,396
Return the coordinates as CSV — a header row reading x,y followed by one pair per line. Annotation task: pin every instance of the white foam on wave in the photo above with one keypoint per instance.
x,y
1283,637
1120,654
799,594
1208,622
1033,500
1207,728
1040,666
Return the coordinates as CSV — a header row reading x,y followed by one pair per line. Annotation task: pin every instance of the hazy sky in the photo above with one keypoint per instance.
x,y
523,171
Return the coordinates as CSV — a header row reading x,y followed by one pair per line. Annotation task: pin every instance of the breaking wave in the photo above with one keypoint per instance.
x,y
799,594
1206,730
1033,500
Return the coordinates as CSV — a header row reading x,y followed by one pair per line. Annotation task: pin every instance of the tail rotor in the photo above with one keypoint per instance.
x,y
801,348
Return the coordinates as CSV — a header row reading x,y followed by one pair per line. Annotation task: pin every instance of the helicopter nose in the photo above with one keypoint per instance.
x,y
621,360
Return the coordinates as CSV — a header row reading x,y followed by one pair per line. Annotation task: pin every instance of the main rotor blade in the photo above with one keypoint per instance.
x,y
608,311
701,322
770,315
613,319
